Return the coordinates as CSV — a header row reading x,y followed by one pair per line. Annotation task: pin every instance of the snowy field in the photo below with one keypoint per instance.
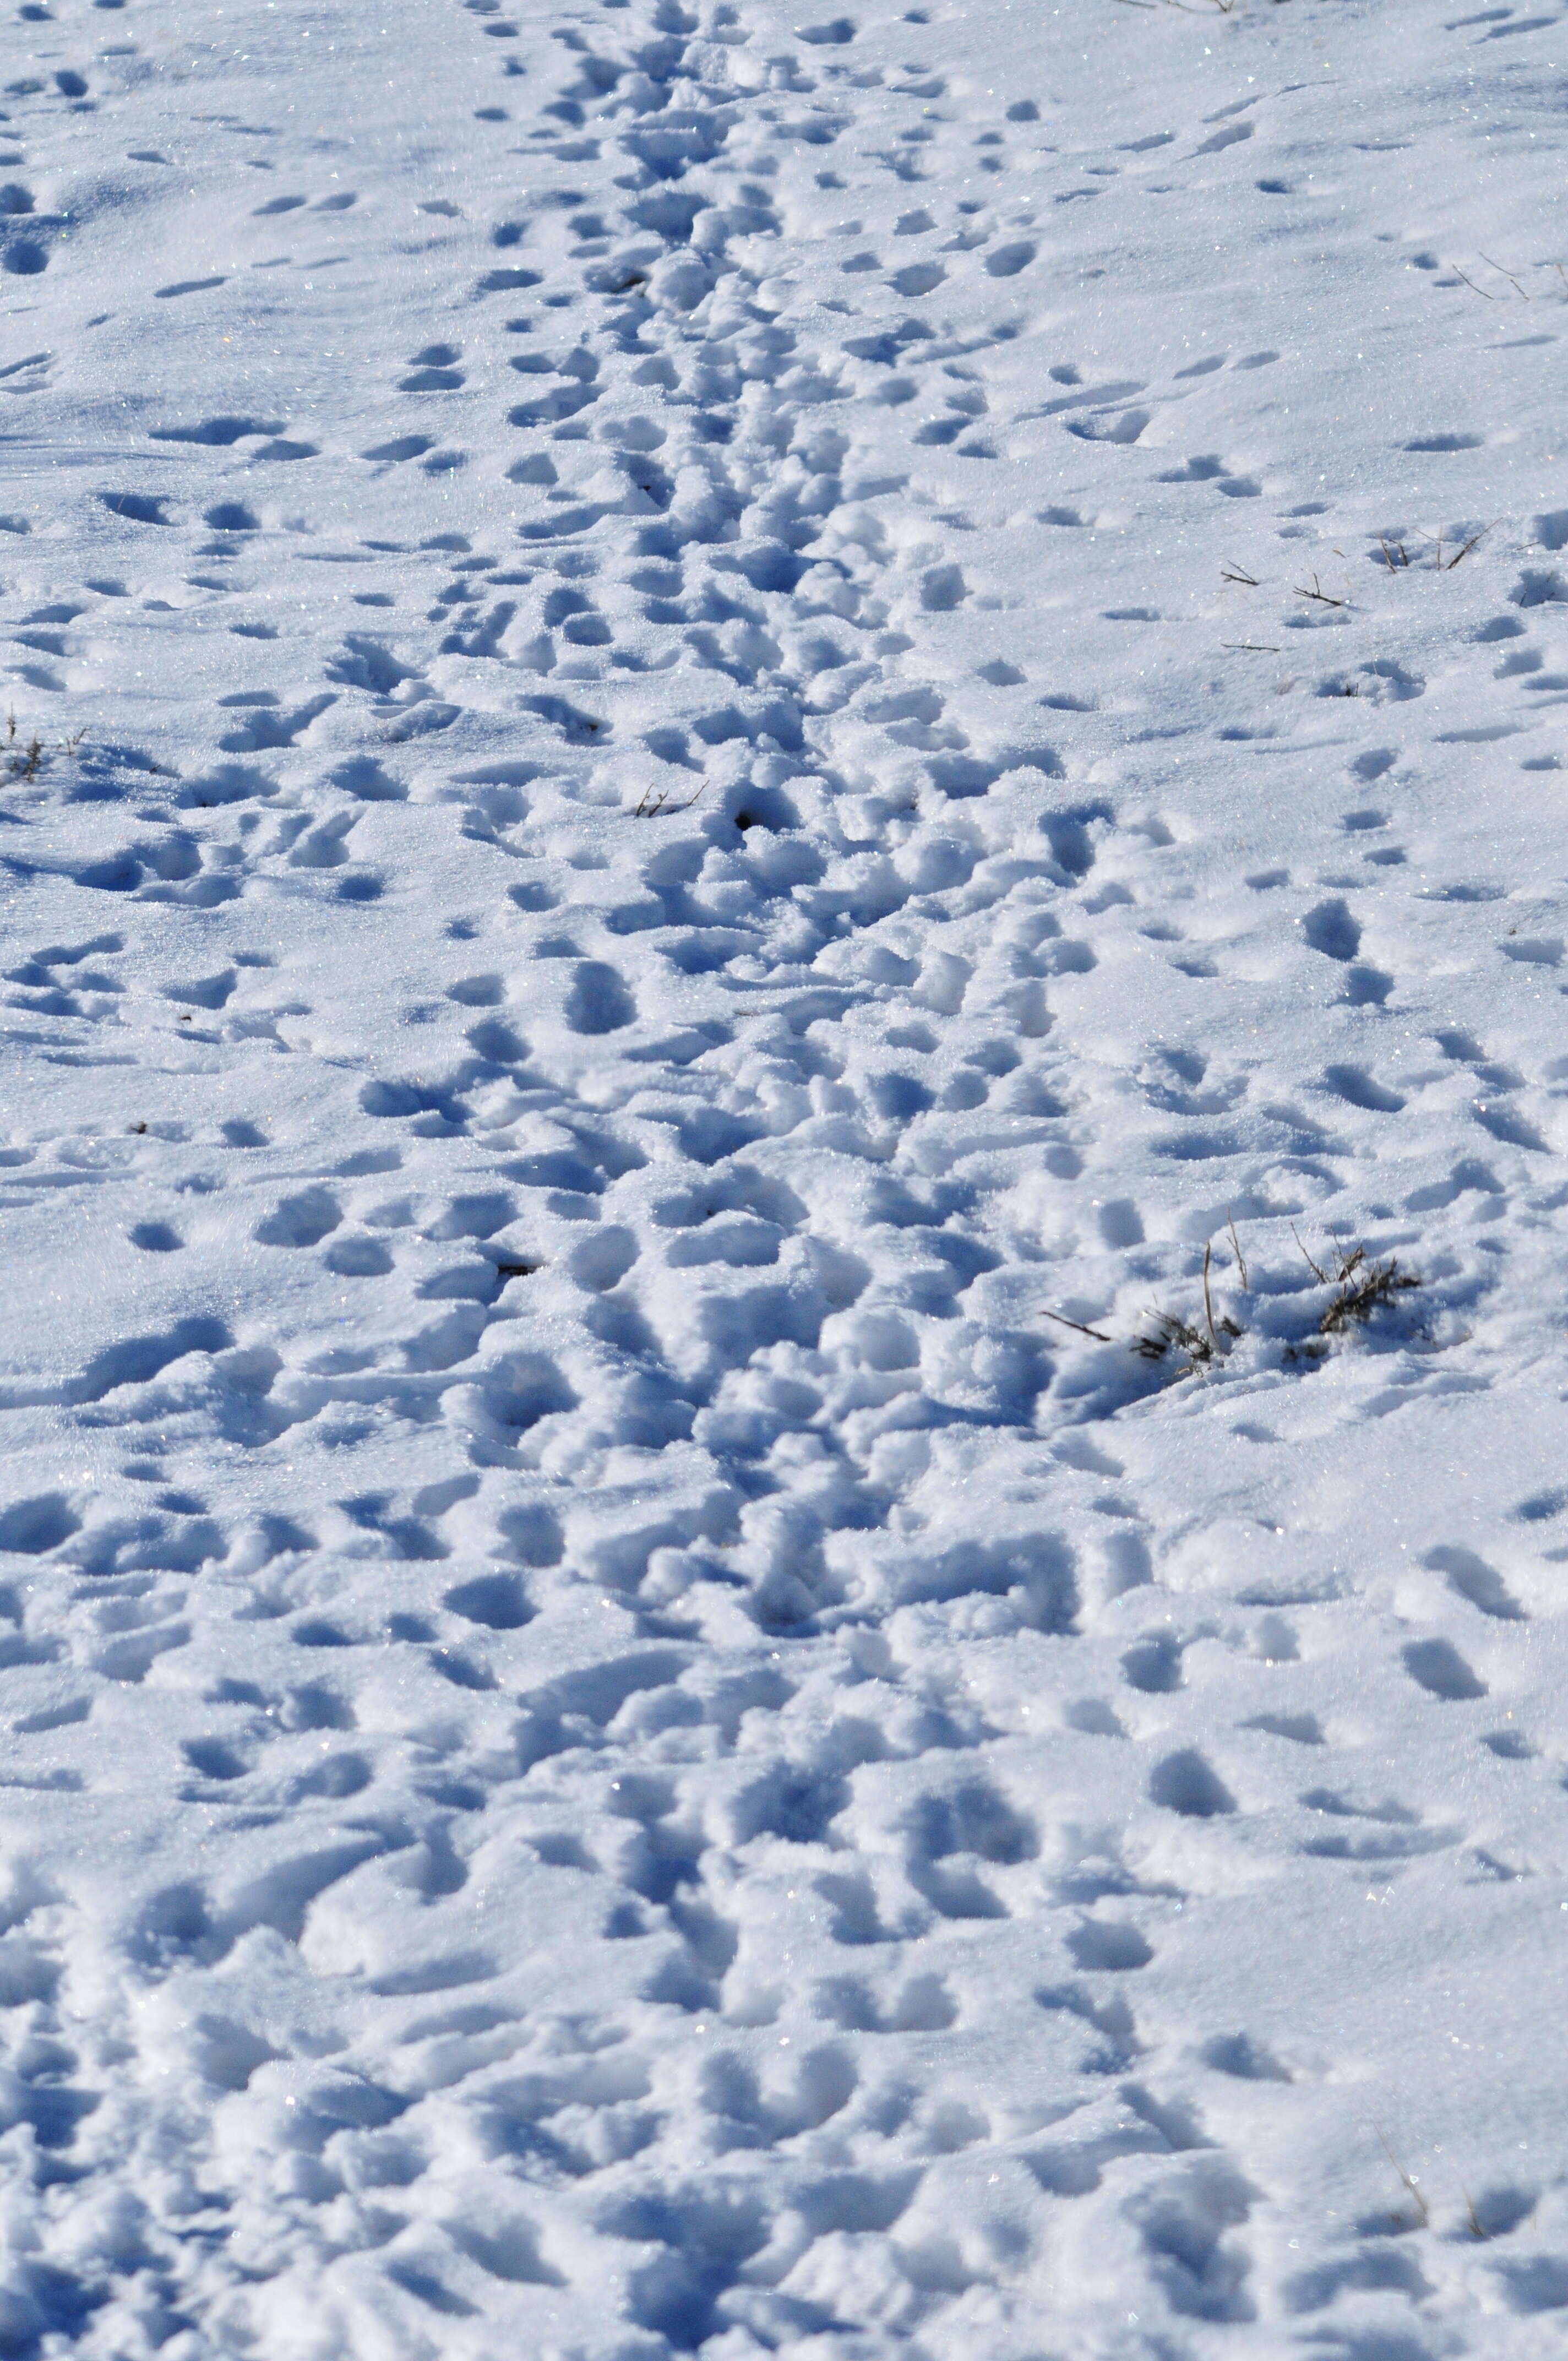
x,y
784,869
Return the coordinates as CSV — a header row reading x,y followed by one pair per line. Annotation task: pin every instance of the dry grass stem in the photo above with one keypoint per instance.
x,y
1063,1322
1319,594
1364,1288
1412,2186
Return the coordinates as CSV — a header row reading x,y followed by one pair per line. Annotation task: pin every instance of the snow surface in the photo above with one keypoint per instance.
x,y
735,710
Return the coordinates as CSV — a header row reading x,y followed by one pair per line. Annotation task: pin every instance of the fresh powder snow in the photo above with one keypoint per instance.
x,y
784,862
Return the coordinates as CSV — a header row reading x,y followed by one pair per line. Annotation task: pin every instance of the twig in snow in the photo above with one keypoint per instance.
x,y
1319,594
1412,2187
1063,1322
1317,1270
1200,1350
1364,1288
651,806
1468,546
25,761
1505,273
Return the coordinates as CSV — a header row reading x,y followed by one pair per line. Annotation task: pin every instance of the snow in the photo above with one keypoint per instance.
x,y
785,818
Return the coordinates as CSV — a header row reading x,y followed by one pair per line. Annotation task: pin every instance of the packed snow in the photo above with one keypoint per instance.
x,y
785,874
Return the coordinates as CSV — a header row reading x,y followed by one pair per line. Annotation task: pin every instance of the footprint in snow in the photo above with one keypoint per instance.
x,y
433,370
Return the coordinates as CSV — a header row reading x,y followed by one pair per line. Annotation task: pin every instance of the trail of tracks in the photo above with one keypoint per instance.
x,y
651,1759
